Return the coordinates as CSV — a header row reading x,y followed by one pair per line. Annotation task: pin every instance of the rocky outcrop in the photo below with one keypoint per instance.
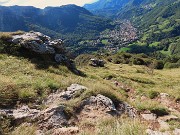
x,y
101,106
21,114
52,118
101,102
73,90
97,63
56,119
37,42
40,43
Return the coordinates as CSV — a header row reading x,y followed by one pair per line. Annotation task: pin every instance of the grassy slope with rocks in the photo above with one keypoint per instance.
x,y
22,81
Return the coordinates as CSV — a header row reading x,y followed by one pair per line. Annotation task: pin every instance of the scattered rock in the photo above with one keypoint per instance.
x,y
102,101
150,116
163,125
72,90
176,131
151,132
97,63
164,95
66,131
127,109
105,107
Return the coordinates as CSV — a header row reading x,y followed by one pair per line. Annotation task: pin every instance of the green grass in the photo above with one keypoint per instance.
x,y
105,42
154,44
168,29
124,49
22,80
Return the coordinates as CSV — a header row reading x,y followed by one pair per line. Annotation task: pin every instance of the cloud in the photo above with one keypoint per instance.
x,y
44,3
4,1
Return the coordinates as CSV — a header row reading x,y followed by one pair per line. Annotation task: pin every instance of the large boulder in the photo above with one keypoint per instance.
x,y
36,42
39,43
97,63
102,101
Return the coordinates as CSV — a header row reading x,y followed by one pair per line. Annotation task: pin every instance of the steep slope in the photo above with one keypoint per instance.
x,y
68,22
156,20
159,24
106,7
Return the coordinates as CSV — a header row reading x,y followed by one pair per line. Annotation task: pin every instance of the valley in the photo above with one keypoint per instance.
x,y
111,67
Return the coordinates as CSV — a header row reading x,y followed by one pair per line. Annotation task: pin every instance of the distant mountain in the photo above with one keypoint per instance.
x,y
157,20
68,22
159,23
106,7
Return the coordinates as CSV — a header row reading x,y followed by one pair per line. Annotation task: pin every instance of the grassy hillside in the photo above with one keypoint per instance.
x,y
21,80
69,22
159,25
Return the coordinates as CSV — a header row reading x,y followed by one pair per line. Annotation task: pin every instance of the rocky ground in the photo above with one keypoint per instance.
x,y
54,119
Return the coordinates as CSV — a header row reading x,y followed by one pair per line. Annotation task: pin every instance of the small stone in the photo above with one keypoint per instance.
x,y
151,132
150,116
72,90
176,131
163,125
164,95
66,130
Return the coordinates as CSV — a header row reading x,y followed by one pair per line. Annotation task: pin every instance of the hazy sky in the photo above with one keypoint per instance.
x,y
44,3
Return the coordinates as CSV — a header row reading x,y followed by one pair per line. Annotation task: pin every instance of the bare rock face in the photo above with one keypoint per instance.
x,y
21,114
72,90
52,118
36,42
41,44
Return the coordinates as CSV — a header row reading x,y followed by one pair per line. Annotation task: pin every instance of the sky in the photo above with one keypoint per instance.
x,y
44,3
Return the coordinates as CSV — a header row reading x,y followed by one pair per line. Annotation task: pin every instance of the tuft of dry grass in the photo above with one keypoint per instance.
x,y
118,126
8,35
25,129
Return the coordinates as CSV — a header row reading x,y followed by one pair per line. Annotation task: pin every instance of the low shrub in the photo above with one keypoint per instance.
x,y
8,96
160,111
172,65
25,129
153,94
